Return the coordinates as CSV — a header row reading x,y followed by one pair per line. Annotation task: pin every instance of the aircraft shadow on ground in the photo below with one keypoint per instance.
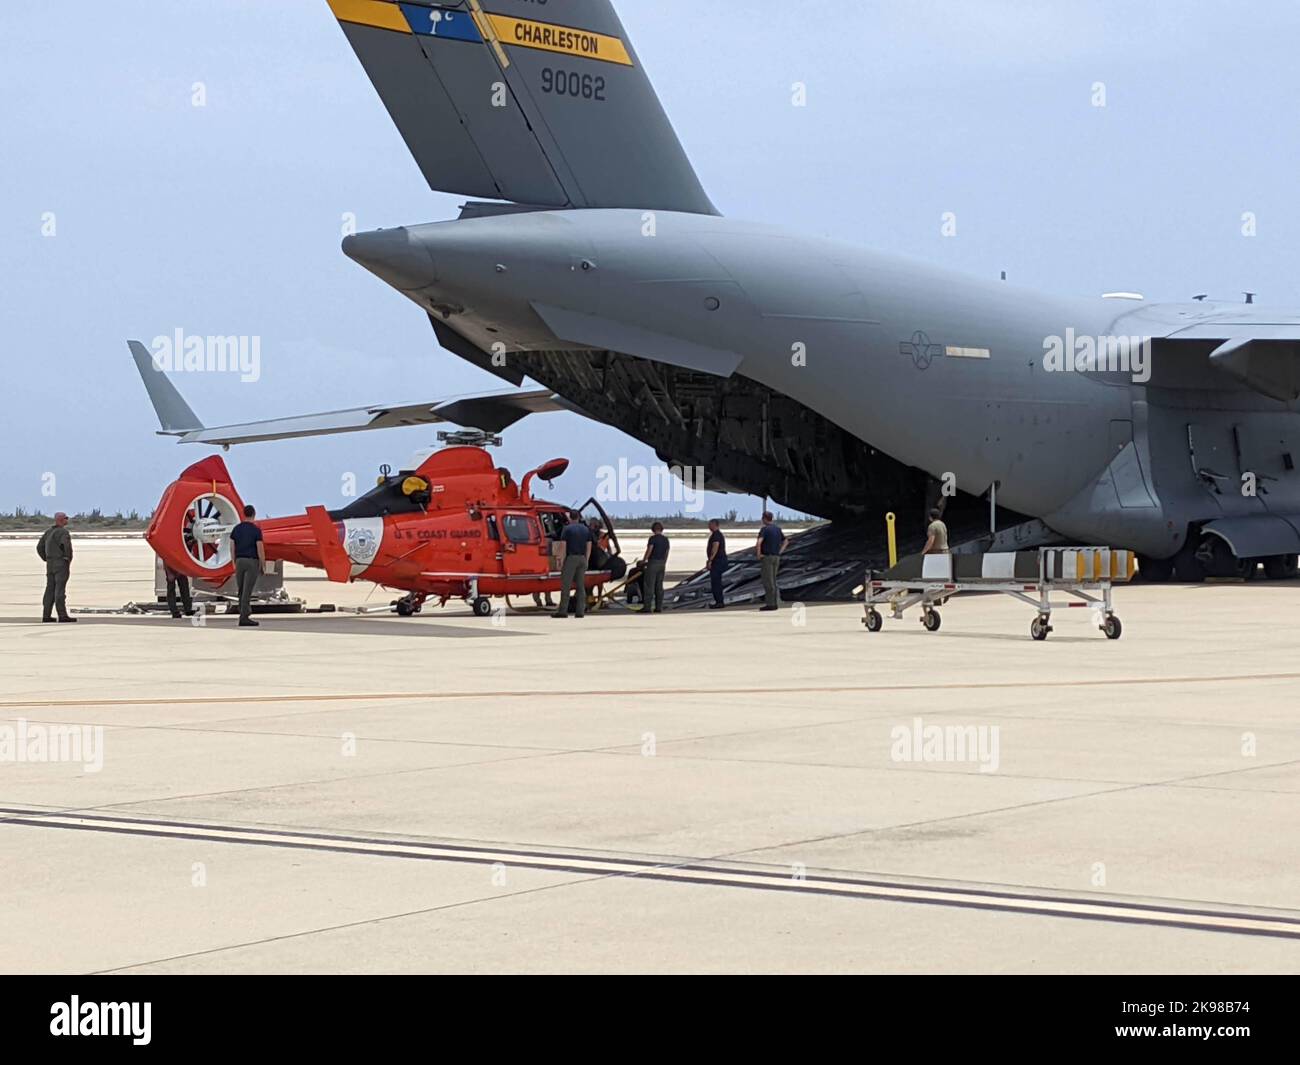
x,y
1018,637
332,626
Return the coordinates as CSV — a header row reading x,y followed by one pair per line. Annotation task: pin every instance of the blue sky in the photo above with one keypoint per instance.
x,y
226,219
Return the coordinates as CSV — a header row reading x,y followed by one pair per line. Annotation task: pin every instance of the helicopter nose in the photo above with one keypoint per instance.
x,y
394,255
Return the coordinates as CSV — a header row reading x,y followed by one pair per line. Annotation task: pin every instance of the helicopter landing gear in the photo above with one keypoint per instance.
x,y
409,605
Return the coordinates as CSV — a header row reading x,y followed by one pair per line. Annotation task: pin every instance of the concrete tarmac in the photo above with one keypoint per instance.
x,y
728,791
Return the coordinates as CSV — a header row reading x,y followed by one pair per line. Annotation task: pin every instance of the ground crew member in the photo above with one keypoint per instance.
x,y
599,558
175,579
656,563
55,547
937,534
936,542
250,558
717,562
577,553
771,542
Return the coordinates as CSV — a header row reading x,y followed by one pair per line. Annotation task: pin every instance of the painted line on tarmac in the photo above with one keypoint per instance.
x,y
529,693
1238,922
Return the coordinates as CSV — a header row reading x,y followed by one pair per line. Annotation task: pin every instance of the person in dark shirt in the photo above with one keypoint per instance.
x,y
656,564
771,542
176,579
717,562
250,558
577,553
599,555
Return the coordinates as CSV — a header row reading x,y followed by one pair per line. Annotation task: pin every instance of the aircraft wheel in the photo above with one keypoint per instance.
x,y
482,606
1217,560
874,621
1187,566
1281,567
932,621
1112,627
1155,570
1039,628
404,608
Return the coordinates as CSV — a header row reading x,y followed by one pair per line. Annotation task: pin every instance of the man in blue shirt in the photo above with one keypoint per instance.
x,y
771,542
656,564
577,553
717,562
250,558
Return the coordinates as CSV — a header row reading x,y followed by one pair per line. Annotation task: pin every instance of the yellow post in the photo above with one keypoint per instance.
x,y
893,541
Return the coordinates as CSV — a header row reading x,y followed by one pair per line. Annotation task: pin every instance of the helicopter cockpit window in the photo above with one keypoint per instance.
x,y
552,524
518,529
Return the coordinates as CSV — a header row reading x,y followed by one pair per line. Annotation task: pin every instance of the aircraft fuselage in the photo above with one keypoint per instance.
x,y
944,372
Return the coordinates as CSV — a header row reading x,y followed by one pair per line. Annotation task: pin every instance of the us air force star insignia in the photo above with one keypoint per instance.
x,y
920,350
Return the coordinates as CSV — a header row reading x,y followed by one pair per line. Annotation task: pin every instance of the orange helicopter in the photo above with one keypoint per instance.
x,y
456,527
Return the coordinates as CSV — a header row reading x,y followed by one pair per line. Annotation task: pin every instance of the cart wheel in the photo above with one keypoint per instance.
x,y
874,621
482,606
932,620
1039,628
1111,627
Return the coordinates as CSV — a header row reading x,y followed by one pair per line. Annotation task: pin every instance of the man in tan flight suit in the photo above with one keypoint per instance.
x,y
55,548
936,542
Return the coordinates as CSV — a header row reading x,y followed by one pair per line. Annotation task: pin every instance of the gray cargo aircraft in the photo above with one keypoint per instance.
x,y
830,378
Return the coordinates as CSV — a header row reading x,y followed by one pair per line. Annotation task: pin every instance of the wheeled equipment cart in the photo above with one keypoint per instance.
x,y
1086,574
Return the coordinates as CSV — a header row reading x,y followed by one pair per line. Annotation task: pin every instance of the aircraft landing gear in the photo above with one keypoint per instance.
x,y
409,605
1212,557
1155,570
482,606
1281,567
1217,560
1187,565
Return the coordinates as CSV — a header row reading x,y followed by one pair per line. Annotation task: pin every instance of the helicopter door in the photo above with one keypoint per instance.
x,y
524,551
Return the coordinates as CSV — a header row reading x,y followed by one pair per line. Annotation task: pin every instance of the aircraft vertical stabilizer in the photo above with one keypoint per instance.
x,y
546,105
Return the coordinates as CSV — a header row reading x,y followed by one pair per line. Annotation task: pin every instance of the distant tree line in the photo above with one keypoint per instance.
x,y
22,520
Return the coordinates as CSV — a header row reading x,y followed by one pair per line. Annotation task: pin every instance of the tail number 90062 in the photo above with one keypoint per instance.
x,y
571,83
